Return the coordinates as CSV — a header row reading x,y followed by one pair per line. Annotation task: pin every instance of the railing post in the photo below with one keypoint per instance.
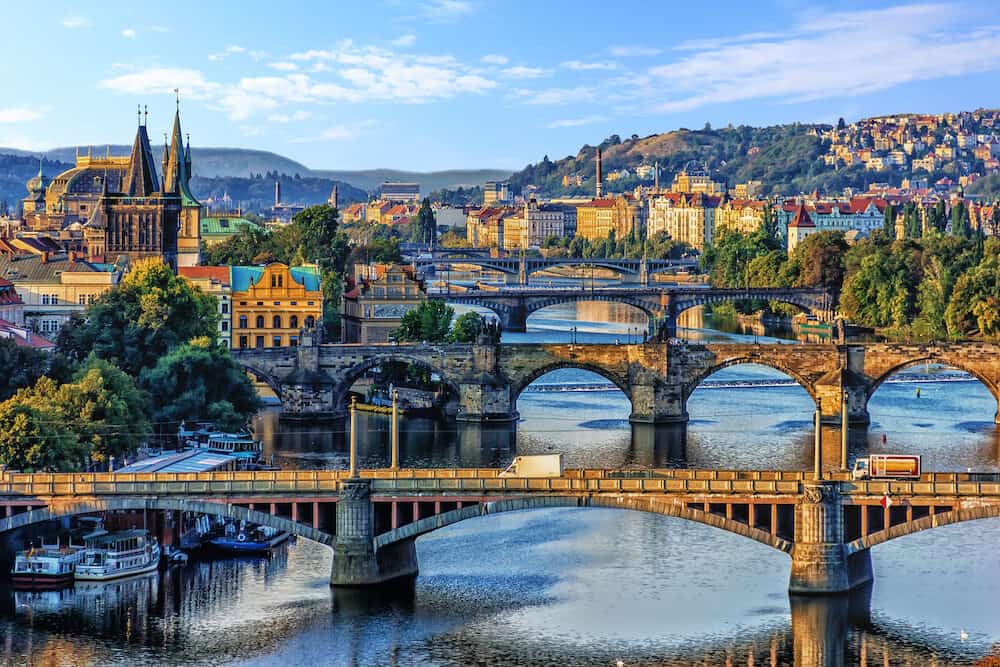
x,y
354,439
818,437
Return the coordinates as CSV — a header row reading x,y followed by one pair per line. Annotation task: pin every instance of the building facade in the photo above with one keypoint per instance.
x,y
214,280
401,192
375,301
11,305
686,218
597,219
272,304
496,193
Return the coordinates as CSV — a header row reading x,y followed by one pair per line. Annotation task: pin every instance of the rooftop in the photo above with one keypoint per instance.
x,y
193,461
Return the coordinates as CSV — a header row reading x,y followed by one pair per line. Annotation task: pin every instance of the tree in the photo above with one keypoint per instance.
x,y
821,258
429,322
19,367
974,307
32,441
889,221
148,314
467,328
197,381
426,226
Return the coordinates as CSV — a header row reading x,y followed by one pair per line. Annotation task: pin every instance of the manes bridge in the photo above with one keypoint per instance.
x,y
827,526
662,305
485,380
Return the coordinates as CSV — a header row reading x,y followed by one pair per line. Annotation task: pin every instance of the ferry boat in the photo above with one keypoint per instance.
x,y
246,539
119,554
45,568
242,445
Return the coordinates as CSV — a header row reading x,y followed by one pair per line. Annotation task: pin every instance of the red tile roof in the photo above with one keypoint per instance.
x,y
801,218
217,273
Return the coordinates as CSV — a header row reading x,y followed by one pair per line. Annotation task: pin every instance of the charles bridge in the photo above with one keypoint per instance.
x,y
827,525
485,380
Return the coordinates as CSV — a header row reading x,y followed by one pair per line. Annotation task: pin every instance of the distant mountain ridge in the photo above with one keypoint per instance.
x,y
211,163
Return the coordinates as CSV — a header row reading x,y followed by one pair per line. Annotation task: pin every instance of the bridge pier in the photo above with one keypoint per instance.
x,y
820,562
515,318
830,390
657,403
355,561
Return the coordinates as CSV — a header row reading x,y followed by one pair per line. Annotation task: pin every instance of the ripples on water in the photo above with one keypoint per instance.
x,y
573,586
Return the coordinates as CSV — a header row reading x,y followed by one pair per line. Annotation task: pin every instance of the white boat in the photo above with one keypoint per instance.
x,y
120,554
47,567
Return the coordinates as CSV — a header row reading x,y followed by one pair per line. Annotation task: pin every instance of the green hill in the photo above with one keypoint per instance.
x,y
371,179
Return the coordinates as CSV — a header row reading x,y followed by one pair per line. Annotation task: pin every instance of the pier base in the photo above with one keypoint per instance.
x,y
355,560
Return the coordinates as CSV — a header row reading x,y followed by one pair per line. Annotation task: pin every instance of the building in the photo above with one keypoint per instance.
x,y
694,179
497,193
686,218
376,299
484,227
54,286
138,217
23,335
799,228
11,305
214,280
596,219
272,304
450,216
218,226
748,190
745,216
282,212
400,192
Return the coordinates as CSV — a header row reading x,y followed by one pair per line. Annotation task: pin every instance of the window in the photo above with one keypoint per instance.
x,y
293,322
294,303
277,303
276,341
311,303
310,321
243,342
54,298
82,299
260,321
243,321
260,303
45,299
260,342
293,341
276,322
225,326
225,308
90,298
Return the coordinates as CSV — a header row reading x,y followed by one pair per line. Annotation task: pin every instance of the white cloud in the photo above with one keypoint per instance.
x,y
160,80
634,51
298,116
445,10
586,66
555,96
521,72
575,122
19,115
128,33
495,59
75,22
404,40
235,48
838,54
283,66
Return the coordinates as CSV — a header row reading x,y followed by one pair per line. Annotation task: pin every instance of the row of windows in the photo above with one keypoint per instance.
x,y
278,303
276,341
86,299
293,322
50,299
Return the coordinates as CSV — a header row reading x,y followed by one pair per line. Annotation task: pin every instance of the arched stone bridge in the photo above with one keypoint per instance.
x,y
657,377
518,270
826,526
662,305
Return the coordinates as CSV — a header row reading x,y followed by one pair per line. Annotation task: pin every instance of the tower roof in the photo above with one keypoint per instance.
x,y
140,177
802,218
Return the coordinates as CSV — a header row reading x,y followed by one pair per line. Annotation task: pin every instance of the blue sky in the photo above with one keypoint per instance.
x,y
434,84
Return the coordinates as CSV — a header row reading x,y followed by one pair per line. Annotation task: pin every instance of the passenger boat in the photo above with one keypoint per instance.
x,y
242,446
245,539
45,568
119,554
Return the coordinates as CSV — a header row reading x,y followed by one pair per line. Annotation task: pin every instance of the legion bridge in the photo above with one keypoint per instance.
x,y
485,380
827,526
662,305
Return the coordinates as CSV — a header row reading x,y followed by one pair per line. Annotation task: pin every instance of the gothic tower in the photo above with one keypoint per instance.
x,y
177,182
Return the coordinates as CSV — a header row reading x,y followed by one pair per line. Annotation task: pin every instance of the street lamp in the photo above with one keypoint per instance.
x,y
818,435
844,426
394,433
353,474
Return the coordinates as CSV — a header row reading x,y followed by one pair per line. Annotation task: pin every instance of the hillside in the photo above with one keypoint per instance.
x,y
213,163
783,157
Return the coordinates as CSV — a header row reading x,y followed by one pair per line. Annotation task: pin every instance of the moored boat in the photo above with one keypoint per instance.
x,y
246,539
119,554
48,567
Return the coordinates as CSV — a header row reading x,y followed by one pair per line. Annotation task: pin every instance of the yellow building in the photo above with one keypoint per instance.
x,y
685,218
596,219
484,228
375,301
273,303
741,215
696,180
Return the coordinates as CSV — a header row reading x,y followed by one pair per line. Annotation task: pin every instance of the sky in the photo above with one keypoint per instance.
x,y
438,84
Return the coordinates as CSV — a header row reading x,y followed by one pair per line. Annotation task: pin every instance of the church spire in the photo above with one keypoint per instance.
x,y
140,177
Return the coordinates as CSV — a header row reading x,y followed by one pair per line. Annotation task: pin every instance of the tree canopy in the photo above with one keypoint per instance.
x,y
429,322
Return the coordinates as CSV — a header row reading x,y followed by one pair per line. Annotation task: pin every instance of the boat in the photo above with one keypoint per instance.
x,y
243,446
119,554
248,539
45,568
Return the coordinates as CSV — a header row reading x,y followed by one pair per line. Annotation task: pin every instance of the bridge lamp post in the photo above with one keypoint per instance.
x,y
844,426
818,437
394,432
353,474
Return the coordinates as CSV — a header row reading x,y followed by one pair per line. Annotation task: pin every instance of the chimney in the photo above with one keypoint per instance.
x,y
598,188
277,193
45,257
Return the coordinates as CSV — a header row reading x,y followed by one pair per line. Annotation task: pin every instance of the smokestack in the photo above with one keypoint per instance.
x,y
277,193
598,188
656,178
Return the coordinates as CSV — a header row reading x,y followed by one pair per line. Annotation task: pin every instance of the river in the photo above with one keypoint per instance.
x,y
573,586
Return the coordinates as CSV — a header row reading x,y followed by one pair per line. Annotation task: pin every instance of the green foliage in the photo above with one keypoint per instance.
x,y
197,381
467,328
820,258
19,367
35,442
424,226
728,259
429,322
148,314
974,307
453,238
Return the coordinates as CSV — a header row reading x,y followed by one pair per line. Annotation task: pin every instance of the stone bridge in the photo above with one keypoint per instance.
x,y
827,526
519,269
657,377
662,305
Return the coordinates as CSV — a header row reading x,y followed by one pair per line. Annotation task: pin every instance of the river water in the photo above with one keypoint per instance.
x,y
573,586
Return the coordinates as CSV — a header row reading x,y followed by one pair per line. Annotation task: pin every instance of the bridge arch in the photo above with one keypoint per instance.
x,y
934,358
538,303
631,503
924,523
521,383
620,267
221,509
692,384
349,376
272,383
715,297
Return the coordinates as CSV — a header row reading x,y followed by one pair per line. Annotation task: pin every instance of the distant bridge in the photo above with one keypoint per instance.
x,y
827,526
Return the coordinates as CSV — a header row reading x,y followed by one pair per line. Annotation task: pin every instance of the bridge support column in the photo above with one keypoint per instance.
x,y
820,562
355,560
830,390
515,319
657,403
485,400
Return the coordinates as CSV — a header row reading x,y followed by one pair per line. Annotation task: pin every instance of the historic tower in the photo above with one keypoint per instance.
x,y
176,182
